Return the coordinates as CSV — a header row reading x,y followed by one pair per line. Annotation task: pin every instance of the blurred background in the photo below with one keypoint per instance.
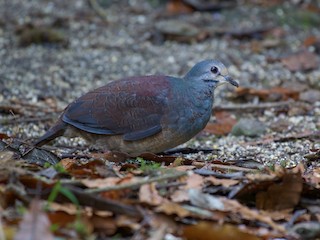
x,y
52,52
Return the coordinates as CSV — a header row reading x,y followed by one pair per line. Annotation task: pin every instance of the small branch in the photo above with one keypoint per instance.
x,y
10,109
233,175
304,135
170,185
137,184
98,9
315,134
251,106
99,203
225,167
15,120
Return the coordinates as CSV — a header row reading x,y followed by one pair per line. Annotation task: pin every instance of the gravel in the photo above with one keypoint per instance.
x,y
99,52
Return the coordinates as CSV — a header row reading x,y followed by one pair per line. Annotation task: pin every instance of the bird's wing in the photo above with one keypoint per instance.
x,y
132,107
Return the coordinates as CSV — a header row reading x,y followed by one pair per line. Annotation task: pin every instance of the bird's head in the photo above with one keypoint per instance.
x,y
211,71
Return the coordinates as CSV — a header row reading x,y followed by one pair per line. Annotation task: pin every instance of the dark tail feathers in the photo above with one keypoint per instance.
x,y
56,131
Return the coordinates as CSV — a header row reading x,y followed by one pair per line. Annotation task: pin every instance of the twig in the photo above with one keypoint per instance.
x,y
171,184
10,109
315,134
99,203
15,120
137,184
251,106
98,9
19,103
1,225
225,167
304,135
233,175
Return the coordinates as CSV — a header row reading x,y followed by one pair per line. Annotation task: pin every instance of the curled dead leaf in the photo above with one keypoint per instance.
x,y
35,224
149,194
303,60
171,208
203,200
222,125
272,94
222,182
283,195
215,231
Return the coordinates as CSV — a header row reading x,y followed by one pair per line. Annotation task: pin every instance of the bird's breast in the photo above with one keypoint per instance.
x,y
189,113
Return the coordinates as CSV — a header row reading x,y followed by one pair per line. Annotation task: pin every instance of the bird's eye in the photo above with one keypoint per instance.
x,y
214,70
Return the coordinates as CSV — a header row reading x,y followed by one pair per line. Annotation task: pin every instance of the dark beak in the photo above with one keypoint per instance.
x,y
231,81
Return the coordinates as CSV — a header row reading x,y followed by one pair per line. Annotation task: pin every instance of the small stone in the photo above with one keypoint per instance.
x,y
310,96
180,31
248,127
280,125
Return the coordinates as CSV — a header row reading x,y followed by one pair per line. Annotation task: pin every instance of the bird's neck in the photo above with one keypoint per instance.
x,y
204,90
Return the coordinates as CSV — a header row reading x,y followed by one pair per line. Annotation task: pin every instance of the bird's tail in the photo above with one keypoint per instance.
x,y
56,131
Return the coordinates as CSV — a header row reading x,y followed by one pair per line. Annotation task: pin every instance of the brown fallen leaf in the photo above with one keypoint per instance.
x,y
259,177
3,136
92,169
302,135
178,7
101,182
180,195
158,221
120,194
279,215
128,222
314,156
223,182
68,208
204,200
184,168
162,159
235,207
222,125
111,156
308,230
171,208
62,218
35,224
303,60
283,195
209,5
208,230
149,194
159,233
272,94
313,178
68,163
180,31
128,167
194,181
41,35
311,40
6,158
279,190
247,33
111,182
104,225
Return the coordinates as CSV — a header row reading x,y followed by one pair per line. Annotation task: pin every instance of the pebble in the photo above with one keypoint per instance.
x,y
99,53
248,127
310,96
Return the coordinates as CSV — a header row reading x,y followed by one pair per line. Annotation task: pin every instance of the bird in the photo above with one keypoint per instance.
x,y
141,114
